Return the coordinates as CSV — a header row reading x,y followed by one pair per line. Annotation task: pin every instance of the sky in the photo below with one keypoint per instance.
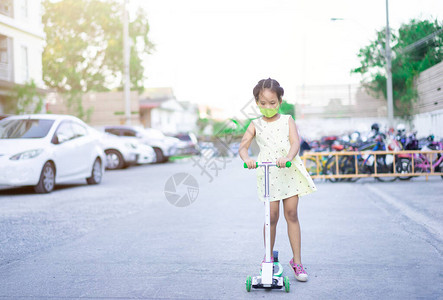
x,y
214,52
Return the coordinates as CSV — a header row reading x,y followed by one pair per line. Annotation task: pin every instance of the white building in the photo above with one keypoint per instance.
x,y
160,109
428,118
21,45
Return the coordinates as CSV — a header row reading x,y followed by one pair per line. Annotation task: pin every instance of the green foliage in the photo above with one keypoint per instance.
x,y
201,124
230,127
24,99
84,50
406,65
287,109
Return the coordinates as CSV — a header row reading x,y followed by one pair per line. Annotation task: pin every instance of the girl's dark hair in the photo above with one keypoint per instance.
x,y
271,84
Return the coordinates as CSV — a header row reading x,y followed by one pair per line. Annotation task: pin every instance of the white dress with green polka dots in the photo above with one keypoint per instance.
x,y
273,140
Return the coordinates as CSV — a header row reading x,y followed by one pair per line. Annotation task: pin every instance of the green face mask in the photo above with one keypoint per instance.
x,y
269,112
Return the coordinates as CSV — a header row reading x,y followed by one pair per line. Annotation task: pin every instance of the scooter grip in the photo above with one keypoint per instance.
x,y
288,164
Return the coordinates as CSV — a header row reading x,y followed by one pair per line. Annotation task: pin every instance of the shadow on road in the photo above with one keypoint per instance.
x,y
29,190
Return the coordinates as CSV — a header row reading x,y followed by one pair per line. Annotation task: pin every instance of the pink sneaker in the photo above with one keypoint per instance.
x,y
299,271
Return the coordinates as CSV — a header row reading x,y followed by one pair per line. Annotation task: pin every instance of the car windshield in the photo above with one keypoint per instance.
x,y
24,128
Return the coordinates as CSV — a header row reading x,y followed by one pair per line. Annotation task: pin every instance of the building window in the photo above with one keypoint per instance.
x,y
3,49
7,8
24,9
5,59
25,66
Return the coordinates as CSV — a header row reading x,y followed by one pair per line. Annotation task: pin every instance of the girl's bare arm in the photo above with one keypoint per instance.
x,y
244,146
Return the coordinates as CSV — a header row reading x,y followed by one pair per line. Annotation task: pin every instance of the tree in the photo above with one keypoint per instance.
x,y
287,109
84,47
24,99
407,63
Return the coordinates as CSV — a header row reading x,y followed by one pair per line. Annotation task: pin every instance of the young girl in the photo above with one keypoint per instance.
x,y
277,137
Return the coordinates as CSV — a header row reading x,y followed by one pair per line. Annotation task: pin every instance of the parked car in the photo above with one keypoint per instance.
x,y
163,146
44,150
120,152
208,149
188,144
146,154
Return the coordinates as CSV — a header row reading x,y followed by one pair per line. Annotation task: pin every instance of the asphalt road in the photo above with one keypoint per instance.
x,y
123,238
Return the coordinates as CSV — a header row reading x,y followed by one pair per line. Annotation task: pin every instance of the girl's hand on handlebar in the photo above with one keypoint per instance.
x,y
251,163
281,162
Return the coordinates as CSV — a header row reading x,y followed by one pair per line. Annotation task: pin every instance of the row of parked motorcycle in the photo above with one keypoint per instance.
x,y
388,167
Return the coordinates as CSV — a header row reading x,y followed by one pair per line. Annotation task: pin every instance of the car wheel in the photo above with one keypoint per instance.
x,y
47,179
159,155
96,174
114,160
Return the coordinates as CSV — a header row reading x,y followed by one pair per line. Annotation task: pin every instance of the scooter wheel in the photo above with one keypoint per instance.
x,y
248,283
287,284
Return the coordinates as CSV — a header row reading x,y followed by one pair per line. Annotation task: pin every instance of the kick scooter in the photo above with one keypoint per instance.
x,y
268,279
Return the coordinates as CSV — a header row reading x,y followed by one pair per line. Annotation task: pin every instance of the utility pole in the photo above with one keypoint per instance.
x,y
387,54
389,96
126,64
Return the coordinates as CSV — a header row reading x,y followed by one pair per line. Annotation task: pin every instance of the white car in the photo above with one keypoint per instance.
x,y
146,154
44,150
188,144
164,146
120,152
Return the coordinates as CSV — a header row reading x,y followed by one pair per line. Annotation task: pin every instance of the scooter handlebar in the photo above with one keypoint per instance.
x,y
246,166
288,164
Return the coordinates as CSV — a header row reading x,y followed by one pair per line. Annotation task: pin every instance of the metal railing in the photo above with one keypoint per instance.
x,y
422,163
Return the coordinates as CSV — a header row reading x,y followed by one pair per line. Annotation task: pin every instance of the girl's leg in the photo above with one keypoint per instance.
x,y
290,208
275,210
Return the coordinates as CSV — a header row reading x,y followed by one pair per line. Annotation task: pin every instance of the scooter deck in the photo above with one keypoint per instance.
x,y
277,283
